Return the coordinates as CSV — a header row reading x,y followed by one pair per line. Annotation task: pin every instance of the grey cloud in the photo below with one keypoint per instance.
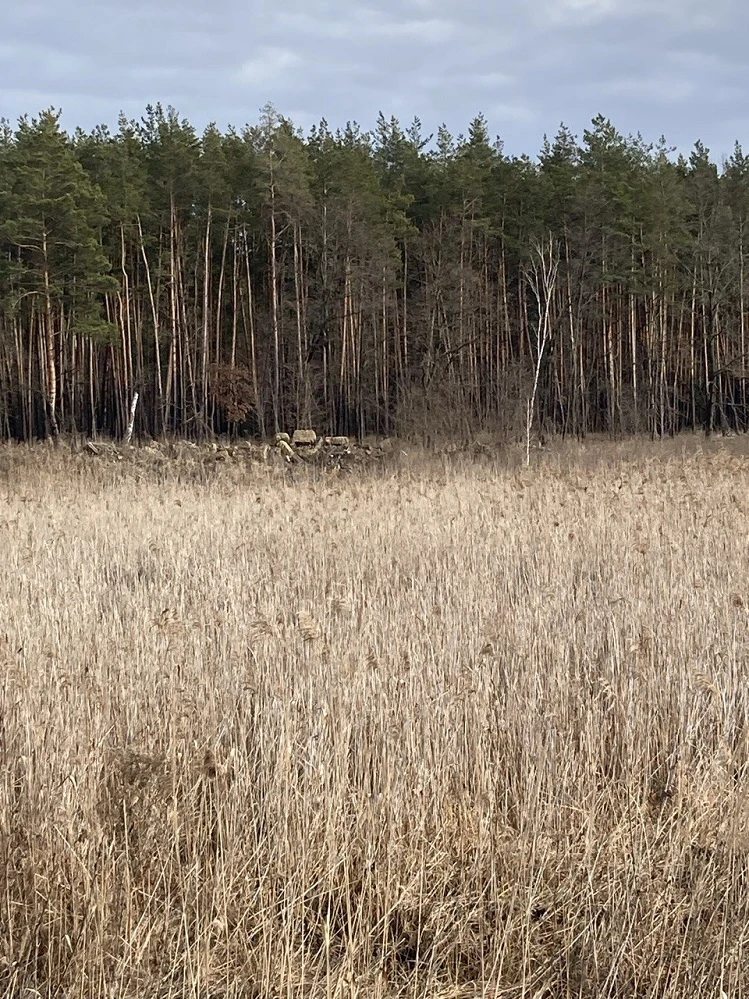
x,y
671,66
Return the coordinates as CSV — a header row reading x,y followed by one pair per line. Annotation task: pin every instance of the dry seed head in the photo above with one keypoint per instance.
x,y
308,626
340,605
260,628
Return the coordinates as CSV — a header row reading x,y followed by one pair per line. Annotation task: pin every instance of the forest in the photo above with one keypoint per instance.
x,y
366,282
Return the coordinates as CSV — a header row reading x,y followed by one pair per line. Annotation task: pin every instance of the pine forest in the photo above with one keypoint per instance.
x,y
366,282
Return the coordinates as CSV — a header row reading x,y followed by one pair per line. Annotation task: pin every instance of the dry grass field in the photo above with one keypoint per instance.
x,y
441,729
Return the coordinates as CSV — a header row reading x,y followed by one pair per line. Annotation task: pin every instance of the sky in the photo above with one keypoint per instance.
x,y
660,67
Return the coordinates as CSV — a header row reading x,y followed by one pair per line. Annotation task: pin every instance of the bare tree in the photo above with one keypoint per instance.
x,y
542,278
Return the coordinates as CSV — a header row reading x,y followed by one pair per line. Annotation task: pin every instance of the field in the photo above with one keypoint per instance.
x,y
444,728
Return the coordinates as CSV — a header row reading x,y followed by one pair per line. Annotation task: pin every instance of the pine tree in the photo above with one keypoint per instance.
x,y
53,222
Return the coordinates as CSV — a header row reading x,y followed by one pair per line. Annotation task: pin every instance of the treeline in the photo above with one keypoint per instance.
x,y
366,282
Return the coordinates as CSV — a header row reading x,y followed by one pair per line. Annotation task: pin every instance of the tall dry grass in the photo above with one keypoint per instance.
x,y
441,731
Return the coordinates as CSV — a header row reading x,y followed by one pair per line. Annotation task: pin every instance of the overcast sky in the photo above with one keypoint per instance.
x,y
677,67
